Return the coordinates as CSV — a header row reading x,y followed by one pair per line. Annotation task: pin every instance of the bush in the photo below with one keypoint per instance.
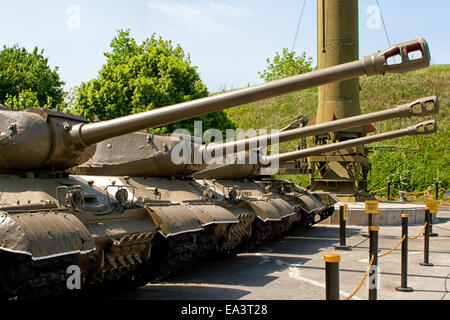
x,y
285,65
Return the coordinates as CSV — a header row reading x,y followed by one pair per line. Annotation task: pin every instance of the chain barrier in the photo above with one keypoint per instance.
x,y
362,280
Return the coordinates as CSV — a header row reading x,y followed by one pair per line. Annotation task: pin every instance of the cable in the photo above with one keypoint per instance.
x,y
384,25
387,37
298,26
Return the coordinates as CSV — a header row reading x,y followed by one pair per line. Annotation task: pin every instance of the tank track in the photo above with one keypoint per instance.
x,y
25,279
171,254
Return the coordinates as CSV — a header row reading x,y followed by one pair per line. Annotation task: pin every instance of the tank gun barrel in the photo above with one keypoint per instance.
x,y
419,108
423,128
239,171
82,135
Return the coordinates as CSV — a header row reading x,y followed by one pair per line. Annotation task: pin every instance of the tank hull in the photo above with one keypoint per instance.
x,y
162,225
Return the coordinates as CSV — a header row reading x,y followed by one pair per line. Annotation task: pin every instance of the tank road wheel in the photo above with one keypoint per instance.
x,y
25,279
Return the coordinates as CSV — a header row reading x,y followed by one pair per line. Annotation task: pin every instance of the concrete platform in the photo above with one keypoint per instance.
x,y
389,214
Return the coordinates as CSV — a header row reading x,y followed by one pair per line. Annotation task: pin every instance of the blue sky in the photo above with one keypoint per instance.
x,y
228,40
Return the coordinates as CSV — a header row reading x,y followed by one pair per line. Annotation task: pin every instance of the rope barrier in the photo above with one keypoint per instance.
x,y
382,255
420,233
385,254
362,280
419,192
409,193
375,191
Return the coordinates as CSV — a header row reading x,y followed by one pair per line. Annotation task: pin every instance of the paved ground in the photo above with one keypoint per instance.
x,y
293,269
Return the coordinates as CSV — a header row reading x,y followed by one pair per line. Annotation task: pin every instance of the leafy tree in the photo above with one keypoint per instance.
x,y
26,80
285,65
143,77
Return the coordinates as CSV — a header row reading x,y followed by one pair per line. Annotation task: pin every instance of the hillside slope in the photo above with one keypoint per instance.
x,y
377,93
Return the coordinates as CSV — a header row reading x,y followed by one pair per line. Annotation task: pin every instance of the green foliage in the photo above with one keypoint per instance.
x,y
26,80
433,160
24,100
285,65
138,78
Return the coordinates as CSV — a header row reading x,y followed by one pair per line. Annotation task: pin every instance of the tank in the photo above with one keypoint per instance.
x,y
62,231
287,203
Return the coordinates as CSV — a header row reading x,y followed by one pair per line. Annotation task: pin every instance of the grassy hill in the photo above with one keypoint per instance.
x,y
378,93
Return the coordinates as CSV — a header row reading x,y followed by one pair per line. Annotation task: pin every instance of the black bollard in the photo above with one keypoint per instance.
x,y
432,234
343,214
373,276
370,220
404,280
436,189
426,249
389,190
332,276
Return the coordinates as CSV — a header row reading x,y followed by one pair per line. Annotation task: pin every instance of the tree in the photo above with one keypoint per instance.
x,y
285,65
138,78
26,80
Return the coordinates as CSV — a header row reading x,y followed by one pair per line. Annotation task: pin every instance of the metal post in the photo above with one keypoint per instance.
x,y
404,280
437,189
426,249
332,276
432,234
369,223
370,220
343,211
373,275
389,190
